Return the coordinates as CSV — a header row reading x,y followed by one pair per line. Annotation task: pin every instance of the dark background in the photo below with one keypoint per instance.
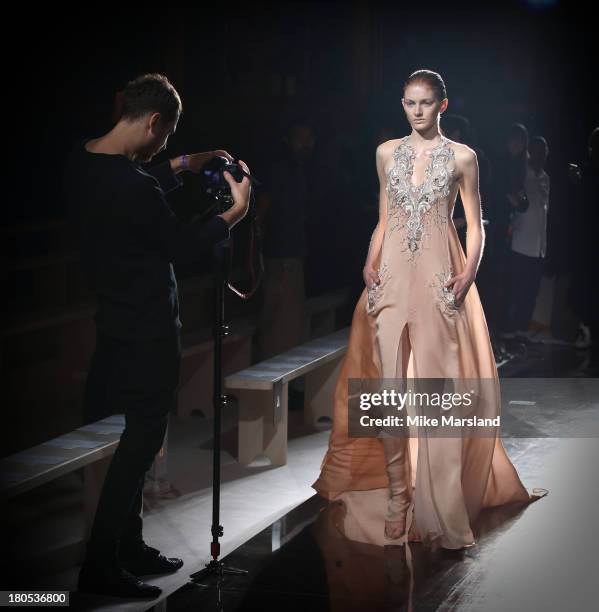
x,y
242,71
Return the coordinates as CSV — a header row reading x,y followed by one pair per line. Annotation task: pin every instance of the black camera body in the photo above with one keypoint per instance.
x,y
213,177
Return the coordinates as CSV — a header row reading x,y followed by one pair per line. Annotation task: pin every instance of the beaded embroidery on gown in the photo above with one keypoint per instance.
x,y
408,326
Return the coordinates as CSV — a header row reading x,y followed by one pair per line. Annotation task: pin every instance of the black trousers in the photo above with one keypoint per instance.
x,y
525,275
138,378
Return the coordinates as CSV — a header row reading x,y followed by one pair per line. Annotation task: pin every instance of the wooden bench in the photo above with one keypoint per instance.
x,y
262,394
89,447
195,393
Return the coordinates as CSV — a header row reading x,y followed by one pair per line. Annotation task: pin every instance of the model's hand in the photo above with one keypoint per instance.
x,y
371,276
196,161
459,284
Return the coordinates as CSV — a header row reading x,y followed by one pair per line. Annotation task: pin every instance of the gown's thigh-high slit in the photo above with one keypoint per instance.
x,y
395,447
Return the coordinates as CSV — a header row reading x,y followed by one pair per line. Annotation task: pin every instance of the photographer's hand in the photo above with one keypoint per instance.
x,y
241,197
195,162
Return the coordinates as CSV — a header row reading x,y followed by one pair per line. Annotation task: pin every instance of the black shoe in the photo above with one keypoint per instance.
x,y
144,559
114,581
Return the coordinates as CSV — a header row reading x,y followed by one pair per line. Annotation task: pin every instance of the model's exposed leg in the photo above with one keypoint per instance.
x,y
399,498
397,455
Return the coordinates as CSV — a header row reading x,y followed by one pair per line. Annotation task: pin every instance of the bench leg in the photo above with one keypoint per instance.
x,y
318,393
258,435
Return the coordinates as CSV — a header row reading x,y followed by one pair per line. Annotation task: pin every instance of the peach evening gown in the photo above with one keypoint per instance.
x,y
408,327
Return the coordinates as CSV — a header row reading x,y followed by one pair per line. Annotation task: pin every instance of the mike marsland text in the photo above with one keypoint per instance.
x,y
424,421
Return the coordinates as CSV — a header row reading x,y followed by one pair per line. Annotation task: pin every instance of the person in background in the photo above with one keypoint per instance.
x,y
583,293
529,243
509,197
458,128
282,213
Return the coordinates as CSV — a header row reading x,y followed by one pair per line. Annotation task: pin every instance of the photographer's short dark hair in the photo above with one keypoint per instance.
x,y
150,93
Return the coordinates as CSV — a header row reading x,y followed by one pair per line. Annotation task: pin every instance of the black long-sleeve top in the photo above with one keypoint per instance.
x,y
129,239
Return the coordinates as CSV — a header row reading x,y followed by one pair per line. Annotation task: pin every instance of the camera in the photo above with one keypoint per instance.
x,y
215,184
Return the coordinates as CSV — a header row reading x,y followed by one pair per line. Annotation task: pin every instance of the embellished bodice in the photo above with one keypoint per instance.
x,y
411,206
416,260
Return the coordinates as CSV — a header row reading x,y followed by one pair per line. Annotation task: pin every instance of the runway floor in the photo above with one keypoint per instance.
x,y
542,557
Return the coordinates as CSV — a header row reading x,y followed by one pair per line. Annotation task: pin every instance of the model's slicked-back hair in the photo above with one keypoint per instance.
x,y
430,78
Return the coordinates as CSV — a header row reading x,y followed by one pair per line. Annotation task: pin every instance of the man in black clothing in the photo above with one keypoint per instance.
x,y
130,238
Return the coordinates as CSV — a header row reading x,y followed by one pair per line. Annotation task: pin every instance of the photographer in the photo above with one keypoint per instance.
x,y
130,238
